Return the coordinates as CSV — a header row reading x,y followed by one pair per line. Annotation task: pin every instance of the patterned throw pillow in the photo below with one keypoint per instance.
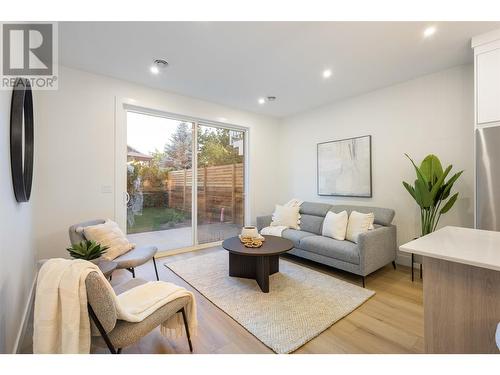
x,y
109,234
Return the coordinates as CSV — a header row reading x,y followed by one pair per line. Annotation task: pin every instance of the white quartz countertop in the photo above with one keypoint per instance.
x,y
475,247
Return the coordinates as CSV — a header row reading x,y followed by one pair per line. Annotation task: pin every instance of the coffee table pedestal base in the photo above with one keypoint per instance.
x,y
254,267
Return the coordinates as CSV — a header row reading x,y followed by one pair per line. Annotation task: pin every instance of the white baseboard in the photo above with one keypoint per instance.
x,y
403,259
166,253
24,322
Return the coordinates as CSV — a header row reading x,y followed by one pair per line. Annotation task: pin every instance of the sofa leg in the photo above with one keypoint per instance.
x,y
156,269
363,280
394,264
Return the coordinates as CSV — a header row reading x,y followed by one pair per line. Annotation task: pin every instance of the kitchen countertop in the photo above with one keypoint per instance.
x,y
475,247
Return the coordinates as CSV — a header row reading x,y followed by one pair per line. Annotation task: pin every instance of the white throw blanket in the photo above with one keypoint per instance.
x,y
138,303
275,230
61,322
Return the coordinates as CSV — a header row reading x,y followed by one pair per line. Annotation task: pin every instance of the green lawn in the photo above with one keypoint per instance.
x,y
156,218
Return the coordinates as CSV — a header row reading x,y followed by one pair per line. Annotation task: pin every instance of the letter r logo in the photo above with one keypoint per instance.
x,y
27,49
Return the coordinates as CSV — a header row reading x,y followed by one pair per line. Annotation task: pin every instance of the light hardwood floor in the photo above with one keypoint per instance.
x,y
389,322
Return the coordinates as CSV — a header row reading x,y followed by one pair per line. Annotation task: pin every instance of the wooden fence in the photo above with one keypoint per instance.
x,y
220,193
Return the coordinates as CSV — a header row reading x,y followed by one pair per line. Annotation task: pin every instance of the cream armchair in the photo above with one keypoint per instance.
x,y
115,334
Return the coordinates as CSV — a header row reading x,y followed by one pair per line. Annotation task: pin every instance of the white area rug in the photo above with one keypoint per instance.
x,y
300,305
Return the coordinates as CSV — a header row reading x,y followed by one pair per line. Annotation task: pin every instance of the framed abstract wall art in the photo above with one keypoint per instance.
x,y
344,167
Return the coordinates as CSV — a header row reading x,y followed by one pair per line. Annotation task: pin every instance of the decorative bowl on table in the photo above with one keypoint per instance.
x,y
251,242
250,237
249,231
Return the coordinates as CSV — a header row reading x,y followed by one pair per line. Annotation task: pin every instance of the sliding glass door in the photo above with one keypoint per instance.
x,y
159,163
221,183
175,200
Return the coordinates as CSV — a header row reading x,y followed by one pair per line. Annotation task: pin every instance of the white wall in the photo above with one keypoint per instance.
x,y
75,150
17,254
431,114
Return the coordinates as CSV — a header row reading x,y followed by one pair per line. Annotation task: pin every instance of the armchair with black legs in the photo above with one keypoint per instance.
x,y
115,334
133,258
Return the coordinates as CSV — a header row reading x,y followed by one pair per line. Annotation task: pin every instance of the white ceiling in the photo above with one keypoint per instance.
x,y
235,63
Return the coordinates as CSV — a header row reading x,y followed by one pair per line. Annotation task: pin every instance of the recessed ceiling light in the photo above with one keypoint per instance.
x,y
430,31
261,100
158,65
327,73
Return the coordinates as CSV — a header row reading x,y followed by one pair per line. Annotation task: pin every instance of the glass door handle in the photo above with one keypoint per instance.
x,y
127,197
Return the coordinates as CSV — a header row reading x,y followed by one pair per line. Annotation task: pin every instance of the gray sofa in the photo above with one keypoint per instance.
x,y
374,249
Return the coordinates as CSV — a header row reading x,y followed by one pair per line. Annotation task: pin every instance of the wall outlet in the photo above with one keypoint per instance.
x,y
106,189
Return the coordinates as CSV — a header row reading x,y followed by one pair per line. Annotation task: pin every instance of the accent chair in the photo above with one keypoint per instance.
x,y
131,259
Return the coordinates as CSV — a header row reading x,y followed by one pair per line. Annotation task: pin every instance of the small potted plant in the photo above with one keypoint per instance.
x,y
87,250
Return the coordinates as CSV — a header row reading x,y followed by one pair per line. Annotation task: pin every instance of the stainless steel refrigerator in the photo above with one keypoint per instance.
x,y
488,178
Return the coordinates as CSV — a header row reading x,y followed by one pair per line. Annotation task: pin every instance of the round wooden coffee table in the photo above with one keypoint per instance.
x,y
256,263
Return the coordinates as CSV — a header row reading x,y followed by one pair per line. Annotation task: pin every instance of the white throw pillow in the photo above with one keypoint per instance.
x,y
109,234
358,223
335,225
286,216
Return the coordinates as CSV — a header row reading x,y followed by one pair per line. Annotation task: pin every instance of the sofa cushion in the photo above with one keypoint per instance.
x,y
383,216
136,257
316,209
311,223
341,250
295,235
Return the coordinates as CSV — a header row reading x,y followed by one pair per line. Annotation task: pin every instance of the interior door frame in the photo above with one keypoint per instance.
x,y
124,105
